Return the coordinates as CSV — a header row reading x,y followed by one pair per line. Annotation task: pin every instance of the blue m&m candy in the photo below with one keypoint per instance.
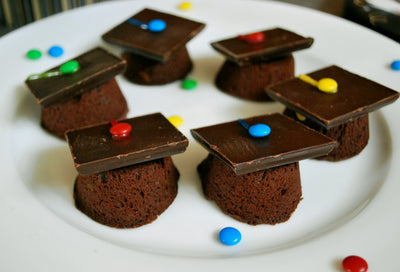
x,y
395,65
259,130
56,51
156,25
230,236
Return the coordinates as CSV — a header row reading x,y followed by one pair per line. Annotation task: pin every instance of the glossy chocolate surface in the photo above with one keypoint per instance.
x,y
154,45
356,96
152,137
97,66
288,142
278,42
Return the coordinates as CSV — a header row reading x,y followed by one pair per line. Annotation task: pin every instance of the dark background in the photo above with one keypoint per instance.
x,y
16,13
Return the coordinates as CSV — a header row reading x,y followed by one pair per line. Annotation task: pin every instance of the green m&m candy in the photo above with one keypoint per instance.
x,y
69,67
189,84
34,54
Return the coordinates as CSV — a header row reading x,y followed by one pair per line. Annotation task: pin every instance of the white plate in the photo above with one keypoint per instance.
x,y
392,6
349,207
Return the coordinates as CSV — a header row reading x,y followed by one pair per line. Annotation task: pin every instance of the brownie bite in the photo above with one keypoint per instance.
x,y
256,60
126,177
341,115
84,97
256,180
155,57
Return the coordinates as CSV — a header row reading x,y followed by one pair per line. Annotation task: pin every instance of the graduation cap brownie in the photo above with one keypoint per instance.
x,y
80,92
126,174
256,60
335,102
252,170
154,44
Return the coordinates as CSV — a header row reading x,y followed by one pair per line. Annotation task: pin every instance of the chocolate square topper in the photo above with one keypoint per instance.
x,y
159,45
113,145
261,46
288,142
355,96
96,67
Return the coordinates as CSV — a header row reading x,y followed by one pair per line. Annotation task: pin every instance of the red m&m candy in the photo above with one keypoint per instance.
x,y
120,130
354,264
256,37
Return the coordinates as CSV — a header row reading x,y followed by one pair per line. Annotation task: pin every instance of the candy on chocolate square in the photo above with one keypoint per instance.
x,y
277,43
356,96
288,142
257,60
256,180
342,115
158,46
94,149
80,92
96,67
126,174
155,58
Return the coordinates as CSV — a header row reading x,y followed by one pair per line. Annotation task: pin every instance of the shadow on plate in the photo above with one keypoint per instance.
x,y
205,69
54,171
27,107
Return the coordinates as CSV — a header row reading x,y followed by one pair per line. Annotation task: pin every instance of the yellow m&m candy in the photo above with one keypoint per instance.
x,y
326,85
300,117
185,6
175,120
